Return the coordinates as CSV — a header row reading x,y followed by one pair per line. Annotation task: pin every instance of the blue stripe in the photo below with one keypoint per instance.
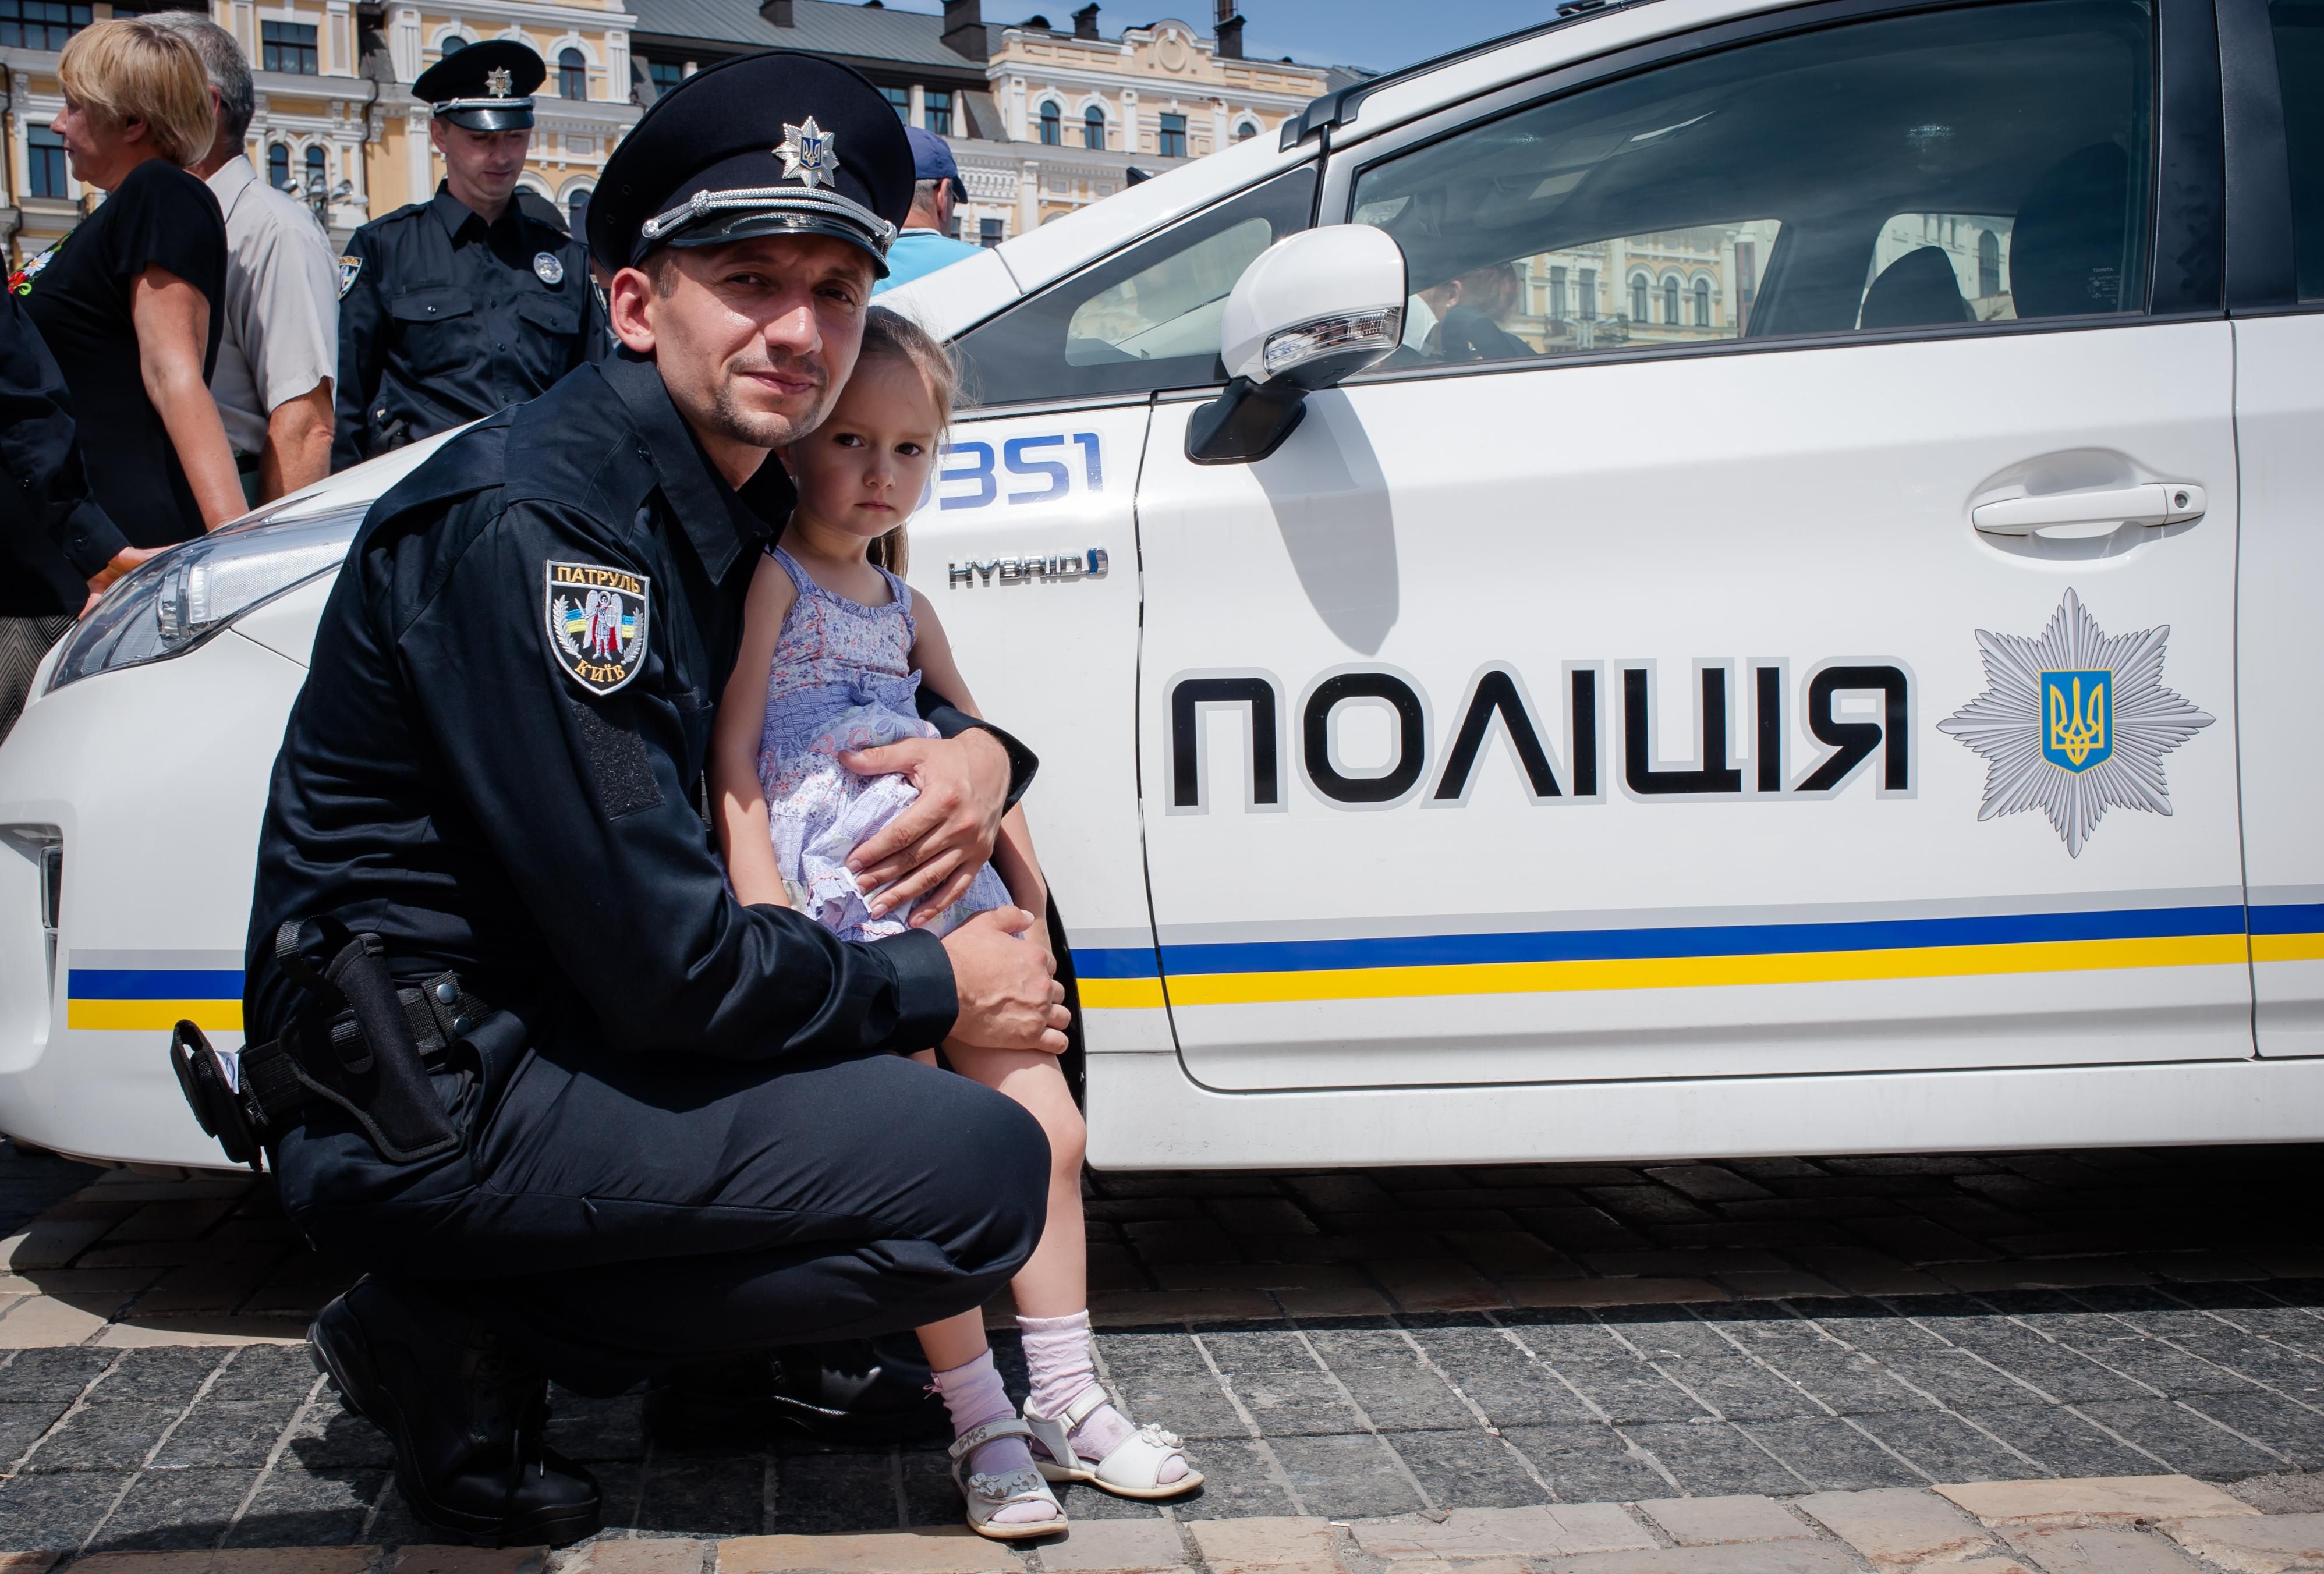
x,y
2289,918
1135,962
1723,940
87,983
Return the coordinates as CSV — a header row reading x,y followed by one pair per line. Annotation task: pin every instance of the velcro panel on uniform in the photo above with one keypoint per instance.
x,y
618,766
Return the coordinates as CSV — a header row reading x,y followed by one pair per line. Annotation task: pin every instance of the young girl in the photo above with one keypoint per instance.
x,y
834,647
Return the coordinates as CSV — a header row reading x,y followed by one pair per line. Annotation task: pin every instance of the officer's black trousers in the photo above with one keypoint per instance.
x,y
618,1214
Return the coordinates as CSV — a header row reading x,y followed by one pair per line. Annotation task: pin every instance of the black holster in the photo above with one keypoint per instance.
x,y
364,1046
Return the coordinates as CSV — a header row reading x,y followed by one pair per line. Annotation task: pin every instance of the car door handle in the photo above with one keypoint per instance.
x,y
2157,503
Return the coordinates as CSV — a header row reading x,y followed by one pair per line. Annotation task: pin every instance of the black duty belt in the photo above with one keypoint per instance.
x,y
363,1045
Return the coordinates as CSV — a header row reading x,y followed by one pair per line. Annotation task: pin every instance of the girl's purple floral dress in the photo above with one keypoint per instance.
x,y
843,680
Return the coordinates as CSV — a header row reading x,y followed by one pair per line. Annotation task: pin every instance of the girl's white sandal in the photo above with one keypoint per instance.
x,y
1134,1470
989,1494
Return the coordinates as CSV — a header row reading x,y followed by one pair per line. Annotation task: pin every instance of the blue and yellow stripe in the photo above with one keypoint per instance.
x,y
1685,956
141,998
2287,932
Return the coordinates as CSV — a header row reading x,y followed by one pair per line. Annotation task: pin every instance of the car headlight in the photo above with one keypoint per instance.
x,y
171,604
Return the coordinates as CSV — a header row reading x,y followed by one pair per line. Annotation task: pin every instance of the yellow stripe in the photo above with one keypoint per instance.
x,y
1525,977
2287,947
1122,994
119,1015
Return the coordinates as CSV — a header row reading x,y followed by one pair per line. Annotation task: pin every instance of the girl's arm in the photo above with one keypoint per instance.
x,y
1012,854
738,804
172,321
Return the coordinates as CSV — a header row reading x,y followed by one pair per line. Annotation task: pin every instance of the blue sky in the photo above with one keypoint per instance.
x,y
1379,34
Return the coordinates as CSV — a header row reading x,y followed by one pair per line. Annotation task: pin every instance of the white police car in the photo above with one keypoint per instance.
x,y
1807,645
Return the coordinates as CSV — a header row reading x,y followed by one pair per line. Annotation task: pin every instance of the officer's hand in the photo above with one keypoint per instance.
x,y
1008,999
940,842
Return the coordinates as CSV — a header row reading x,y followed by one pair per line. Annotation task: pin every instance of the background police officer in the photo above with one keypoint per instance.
x,y
466,303
615,1121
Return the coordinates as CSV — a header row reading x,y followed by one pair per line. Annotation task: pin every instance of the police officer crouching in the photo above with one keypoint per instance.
x,y
466,303
513,1045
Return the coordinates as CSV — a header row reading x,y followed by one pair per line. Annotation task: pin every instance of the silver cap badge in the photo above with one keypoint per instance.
x,y
808,154
498,83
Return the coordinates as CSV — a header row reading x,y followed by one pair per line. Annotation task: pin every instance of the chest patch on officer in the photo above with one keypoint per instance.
x,y
348,268
549,266
596,624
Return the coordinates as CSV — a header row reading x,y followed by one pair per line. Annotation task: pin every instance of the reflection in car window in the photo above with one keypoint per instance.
x,y
1144,319
2300,62
1945,169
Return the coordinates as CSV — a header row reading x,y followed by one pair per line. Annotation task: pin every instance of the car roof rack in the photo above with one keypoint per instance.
x,y
1338,107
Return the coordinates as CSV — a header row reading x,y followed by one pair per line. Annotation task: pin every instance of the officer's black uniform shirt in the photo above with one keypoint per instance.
x,y
449,318
445,783
53,534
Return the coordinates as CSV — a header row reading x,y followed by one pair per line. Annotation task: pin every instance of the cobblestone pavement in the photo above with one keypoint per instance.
x,y
1443,1350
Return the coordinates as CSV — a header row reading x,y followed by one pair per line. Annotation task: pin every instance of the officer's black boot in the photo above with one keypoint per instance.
x,y
855,1390
467,1422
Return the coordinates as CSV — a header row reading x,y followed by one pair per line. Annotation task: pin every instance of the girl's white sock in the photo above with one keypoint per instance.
x,y
1058,1360
972,1395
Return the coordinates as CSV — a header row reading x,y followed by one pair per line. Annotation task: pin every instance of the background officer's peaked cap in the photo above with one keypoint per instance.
x,y
486,87
772,143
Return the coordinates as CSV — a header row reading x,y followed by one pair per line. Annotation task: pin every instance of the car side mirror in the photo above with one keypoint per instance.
x,y
1312,310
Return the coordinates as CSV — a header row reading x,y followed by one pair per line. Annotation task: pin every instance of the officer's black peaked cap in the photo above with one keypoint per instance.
x,y
486,87
770,143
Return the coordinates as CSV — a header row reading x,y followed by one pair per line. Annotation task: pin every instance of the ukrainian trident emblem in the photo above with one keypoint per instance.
x,y
2074,722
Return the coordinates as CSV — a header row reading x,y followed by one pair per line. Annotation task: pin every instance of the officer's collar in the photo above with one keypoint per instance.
x,y
454,214
721,521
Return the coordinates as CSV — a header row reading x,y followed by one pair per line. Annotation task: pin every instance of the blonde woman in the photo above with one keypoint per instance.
x,y
131,302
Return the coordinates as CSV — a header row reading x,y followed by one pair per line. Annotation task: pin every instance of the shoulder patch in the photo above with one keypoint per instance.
x,y
596,622
348,268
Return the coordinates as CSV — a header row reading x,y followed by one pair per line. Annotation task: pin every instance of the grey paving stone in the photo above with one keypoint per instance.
x,y
215,1435
1193,1404
2194,1446
327,1438
295,1509
22,1424
1521,1392
708,1497
597,1429
930,1497
2174,1372
102,1437
1467,1470
1714,1460
266,1371
157,1376
1401,1395
1345,1478
1957,1378
2061,1371
821,1494
2061,1440
1850,1384
174,1508
39,1376
1556,1335
1656,1331
1945,1447
2291,1430
1258,1350
1831,1455
1152,1350
1628,1391
1237,1484
1287,1404
1742,1390
39,1513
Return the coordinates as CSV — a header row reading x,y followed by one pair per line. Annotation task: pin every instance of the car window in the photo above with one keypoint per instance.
x,y
2299,60
1147,318
1945,169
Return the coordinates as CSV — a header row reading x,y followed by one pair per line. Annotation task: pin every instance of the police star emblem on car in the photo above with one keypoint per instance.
x,y
597,624
2074,723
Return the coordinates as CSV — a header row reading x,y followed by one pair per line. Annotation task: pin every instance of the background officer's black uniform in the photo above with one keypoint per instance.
x,y
443,317
449,318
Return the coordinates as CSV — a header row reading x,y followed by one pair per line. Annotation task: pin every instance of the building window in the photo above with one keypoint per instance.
x,y
900,99
1638,288
1702,303
277,167
289,46
939,112
1053,125
1989,264
1246,131
1172,142
319,179
988,232
1586,308
1670,301
40,24
452,45
1094,128
576,213
664,75
1557,292
572,75
44,162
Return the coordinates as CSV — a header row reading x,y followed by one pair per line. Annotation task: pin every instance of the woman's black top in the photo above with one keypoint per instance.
x,y
159,216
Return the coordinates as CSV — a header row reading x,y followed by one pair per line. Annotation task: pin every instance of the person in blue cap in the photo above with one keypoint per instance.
x,y
513,1045
927,243
470,301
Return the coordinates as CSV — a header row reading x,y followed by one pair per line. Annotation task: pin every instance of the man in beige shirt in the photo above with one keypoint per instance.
x,y
279,343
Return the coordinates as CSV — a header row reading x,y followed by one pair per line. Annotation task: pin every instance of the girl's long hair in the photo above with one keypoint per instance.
x,y
888,332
